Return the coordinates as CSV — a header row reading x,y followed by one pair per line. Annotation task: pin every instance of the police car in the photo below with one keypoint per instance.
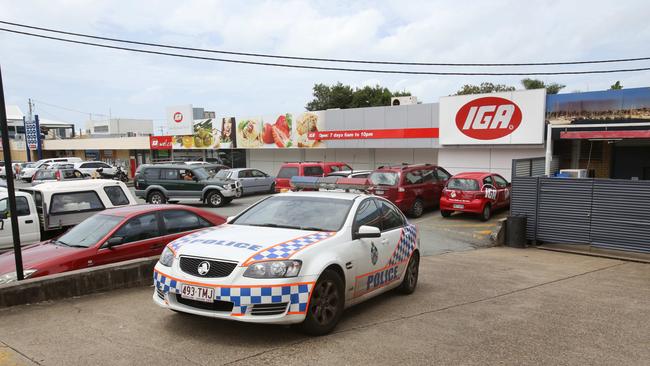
x,y
293,258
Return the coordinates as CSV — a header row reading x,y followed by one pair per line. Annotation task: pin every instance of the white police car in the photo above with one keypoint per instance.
x,y
296,257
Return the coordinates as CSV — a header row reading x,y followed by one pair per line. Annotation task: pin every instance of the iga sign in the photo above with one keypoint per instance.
x,y
493,119
180,120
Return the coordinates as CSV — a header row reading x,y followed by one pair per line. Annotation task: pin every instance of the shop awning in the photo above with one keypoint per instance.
x,y
620,134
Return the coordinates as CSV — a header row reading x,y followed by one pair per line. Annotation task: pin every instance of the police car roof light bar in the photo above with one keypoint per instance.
x,y
329,183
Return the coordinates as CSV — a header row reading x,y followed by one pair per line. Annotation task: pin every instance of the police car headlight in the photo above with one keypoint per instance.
x,y
13,276
273,269
167,257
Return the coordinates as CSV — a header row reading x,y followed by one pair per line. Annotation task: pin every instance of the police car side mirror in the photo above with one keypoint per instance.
x,y
367,232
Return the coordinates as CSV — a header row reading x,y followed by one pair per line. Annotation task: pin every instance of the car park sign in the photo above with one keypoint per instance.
x,y
493,119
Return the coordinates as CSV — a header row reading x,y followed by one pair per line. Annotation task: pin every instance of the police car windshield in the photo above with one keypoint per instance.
x,y
305,213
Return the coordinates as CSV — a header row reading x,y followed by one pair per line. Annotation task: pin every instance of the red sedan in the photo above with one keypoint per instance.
x,y
114,235
480,193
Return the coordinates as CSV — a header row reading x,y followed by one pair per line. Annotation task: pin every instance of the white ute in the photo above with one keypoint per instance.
x,y
48,208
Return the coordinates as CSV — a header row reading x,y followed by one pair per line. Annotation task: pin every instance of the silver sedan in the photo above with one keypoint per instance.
x,y
252,180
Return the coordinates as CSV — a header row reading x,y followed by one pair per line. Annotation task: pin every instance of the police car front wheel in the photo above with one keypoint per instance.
x,y
326,304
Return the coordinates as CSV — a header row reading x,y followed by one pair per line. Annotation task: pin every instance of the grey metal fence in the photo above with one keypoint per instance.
x,y
605,213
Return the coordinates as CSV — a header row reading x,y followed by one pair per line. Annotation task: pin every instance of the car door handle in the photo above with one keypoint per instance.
x,y
384,241
29,221
156,246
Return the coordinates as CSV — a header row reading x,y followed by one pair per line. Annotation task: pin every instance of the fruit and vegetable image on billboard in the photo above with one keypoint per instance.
x,y
204,137
276,131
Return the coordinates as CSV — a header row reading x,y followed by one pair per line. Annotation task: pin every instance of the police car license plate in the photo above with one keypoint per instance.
x,y
379,191
197,293
456,205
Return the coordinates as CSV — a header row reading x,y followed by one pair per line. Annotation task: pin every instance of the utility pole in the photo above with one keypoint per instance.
x,y
11,192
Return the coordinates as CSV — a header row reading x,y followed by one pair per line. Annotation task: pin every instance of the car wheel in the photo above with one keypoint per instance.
x,y
325,306
272,189
239,192
487,212
156,198
410,280
417,209
445,213
215,199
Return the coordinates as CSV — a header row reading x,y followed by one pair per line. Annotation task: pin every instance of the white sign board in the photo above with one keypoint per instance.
x,y
493,119
180,120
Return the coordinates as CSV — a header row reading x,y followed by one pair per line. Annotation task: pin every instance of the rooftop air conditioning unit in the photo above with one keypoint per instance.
x,y
404,100
575,173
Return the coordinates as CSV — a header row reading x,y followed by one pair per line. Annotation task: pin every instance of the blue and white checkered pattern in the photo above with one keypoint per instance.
x,y
289,248
406,245
176,244
297,295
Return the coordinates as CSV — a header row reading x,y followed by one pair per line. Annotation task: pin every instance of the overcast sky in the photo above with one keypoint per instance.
x,y
140,86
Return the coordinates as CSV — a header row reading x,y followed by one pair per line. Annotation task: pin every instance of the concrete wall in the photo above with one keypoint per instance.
x,y
491,159
133,273
270,160
113,143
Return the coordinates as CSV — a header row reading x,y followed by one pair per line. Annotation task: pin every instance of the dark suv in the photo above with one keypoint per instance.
x,y
169,182
412,188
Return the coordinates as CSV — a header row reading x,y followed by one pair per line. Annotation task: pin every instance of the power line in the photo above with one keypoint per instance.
x,y
69,109
250,54
376,71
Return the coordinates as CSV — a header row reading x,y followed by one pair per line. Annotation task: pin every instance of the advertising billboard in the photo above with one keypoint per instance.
x,y
630,105
179,119
493,119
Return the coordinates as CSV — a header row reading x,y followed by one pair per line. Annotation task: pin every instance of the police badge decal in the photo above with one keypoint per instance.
x,y
374,254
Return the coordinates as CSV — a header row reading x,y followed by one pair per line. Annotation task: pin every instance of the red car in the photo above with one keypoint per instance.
x,y
412,188
113,235
480,193
305,169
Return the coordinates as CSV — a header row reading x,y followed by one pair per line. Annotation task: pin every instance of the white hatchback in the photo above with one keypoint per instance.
x,y
297,257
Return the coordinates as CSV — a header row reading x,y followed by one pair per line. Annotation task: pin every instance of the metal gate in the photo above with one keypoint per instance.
x,y
605,213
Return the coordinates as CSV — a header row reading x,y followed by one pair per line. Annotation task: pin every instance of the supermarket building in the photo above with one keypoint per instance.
x,y
605,134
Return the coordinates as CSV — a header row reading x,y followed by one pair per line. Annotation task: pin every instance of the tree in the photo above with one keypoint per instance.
x,y
343,96
552,88
484,88
616,86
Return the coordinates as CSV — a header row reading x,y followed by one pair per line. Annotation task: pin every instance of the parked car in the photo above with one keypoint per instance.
x,y
56,175
3,172
351,173
28,171
90,167
161,183
308,169
412,188
251,180
110,236
213,169
48,209
480,193
287,266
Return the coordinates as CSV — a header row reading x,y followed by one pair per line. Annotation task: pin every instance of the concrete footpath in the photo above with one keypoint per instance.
x,y
488,306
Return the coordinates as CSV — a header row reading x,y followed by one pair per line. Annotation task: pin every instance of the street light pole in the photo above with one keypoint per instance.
x,y
9,171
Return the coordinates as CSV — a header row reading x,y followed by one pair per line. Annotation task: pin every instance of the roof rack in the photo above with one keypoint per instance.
x,y
301,183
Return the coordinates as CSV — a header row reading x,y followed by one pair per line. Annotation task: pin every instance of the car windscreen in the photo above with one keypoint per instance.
x,y
463,184
201,173
89,231
288,172
298,212
384,178
223,173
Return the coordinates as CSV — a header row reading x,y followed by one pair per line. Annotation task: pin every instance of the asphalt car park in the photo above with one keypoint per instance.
x,y
487,306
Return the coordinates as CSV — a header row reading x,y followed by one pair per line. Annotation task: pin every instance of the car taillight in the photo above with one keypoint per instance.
x,y
57,175
478,195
